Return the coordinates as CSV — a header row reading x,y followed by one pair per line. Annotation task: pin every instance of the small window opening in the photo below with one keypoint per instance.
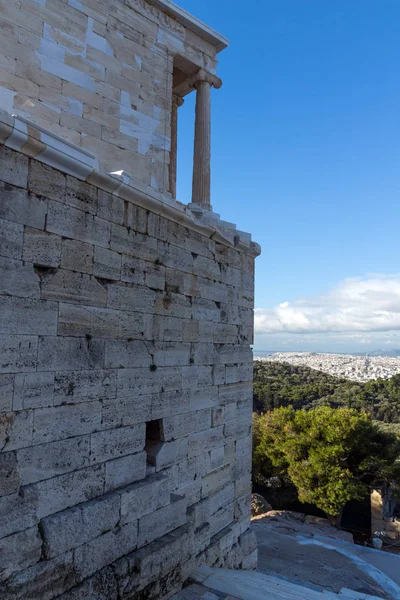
x,y
154,440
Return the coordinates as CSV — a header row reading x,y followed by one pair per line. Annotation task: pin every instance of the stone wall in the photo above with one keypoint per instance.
x,y
125,389
99,74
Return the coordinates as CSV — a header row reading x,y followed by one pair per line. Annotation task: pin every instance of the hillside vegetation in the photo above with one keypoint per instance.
x,y
331,455
330,438
281,384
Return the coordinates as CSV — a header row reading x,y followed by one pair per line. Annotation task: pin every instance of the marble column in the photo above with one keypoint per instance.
x,y
202,82
177,101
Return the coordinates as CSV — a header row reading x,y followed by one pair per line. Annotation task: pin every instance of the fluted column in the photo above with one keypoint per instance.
x,y
177,101
202,82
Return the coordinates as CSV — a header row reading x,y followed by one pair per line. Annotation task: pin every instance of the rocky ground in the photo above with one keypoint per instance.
x,y
290,546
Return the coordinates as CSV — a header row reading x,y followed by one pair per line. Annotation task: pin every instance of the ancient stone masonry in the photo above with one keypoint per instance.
x,y
125,392
126,317
99,73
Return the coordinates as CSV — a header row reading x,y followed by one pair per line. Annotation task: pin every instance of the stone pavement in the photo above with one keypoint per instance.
x,y
200,592
287,549
301,558
221,584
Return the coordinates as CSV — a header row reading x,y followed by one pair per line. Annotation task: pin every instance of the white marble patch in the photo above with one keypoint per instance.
x,y
65,72
125,100
52,50
128,128
144,130
7,99
100,69
75,107
97,41
76,4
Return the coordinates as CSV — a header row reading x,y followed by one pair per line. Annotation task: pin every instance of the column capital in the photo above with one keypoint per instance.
x,y
177,100
203,75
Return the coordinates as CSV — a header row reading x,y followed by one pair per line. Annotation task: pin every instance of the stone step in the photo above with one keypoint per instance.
x,y
253,585
346,594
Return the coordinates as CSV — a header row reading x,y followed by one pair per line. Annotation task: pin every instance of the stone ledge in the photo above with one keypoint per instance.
x,y
36,142
22,135
190,22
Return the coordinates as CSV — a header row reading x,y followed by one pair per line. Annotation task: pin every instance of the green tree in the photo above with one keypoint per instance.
x,y
331,455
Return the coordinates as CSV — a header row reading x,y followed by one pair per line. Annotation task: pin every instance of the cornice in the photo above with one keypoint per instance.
x,y
33,141
190,22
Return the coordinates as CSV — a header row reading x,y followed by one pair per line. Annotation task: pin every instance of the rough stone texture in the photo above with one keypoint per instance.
x,y
102,370
259,505
125,369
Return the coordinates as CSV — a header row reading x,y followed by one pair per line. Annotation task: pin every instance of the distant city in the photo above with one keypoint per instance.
x,y
348,366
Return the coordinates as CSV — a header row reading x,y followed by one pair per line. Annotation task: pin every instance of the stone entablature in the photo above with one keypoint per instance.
x,y
102,74
125,380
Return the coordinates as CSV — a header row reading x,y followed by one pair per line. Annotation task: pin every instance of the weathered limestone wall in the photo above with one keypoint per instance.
x,y
99,74
111,317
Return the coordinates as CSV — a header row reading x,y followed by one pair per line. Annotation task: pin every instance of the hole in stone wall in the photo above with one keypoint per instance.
x,y
43,270
154,440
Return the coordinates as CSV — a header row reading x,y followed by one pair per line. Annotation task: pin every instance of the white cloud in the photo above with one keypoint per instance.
x,y
362,304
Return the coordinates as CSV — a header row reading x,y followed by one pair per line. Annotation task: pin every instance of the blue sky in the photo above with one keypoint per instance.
x,y
306,157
